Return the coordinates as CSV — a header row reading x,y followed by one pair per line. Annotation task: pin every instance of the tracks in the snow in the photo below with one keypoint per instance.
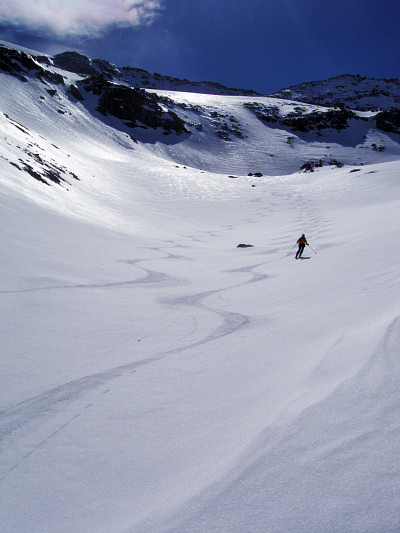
x,y
51,401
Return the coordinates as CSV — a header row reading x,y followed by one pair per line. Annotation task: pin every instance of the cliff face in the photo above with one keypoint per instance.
x,y
23,66
135,107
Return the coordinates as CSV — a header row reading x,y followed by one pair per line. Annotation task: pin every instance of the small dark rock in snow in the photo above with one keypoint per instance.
x,y
244,245
73,89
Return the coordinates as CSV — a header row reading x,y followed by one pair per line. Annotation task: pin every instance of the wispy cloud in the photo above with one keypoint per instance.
x,y
74,17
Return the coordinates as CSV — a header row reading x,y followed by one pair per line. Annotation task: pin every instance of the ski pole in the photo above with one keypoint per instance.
x,y
312,249
292,248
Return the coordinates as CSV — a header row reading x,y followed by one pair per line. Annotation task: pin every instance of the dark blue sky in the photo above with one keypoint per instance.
x,y
256,44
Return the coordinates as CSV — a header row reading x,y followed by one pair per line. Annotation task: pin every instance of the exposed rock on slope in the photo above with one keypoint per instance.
x,y
31,153
389,120
354,91
231,135
135,107
74,62
22,66
136,77
302,120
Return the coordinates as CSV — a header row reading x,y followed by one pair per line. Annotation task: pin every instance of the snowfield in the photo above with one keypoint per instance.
x,y
155,377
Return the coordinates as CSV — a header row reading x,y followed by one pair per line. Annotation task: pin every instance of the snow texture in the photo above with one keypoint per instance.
x,y
155,377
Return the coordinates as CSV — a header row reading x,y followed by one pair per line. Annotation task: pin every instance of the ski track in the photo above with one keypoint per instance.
x,y
151,277
50,403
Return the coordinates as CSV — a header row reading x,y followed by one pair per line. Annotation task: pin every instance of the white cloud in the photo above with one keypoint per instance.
x,y
71,17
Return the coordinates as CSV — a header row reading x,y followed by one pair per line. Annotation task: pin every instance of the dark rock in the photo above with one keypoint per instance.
x,y
134,106
21,65
318,120
74,62
44,60
263,112
310,165
389,120
106,68
377,148
73,89
355,91
300,120
28,168
336,163
244,245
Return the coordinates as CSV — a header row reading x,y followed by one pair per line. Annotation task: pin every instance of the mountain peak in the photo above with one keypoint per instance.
x,y
74,62
353,90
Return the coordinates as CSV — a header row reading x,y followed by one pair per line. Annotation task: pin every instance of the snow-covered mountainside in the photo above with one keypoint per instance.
x,y
156,377
354,91
249,135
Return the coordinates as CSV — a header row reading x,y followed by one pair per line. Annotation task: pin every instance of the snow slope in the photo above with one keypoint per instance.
x,y
156,378
270,150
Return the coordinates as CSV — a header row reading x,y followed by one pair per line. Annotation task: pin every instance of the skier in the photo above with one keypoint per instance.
x,y
301,242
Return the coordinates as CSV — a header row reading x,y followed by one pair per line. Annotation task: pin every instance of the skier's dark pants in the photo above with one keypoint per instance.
x,y
300,250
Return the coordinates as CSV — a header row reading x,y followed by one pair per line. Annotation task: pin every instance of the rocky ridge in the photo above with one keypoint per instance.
x,y
136,77
354,91
116,96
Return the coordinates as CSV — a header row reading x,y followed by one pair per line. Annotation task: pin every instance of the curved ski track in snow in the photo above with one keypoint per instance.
x,y
18,415
53,401
50,402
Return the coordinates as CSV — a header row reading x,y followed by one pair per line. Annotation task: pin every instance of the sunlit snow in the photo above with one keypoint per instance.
x,y
155,377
